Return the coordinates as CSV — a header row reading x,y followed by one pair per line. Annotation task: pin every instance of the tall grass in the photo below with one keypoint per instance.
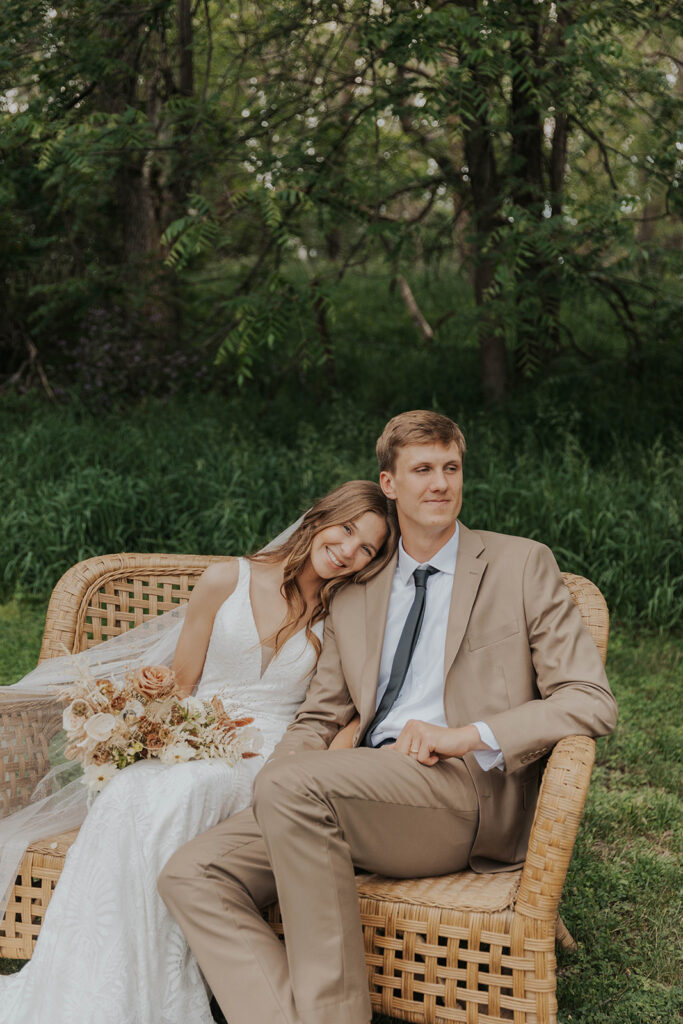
x,y
210,476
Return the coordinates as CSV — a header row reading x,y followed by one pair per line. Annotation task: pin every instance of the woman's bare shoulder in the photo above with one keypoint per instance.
x,y
216,583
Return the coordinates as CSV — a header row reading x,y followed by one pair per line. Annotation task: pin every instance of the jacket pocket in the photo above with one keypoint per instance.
x,y
492,636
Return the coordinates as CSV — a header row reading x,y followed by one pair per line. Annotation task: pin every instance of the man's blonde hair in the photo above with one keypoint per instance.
x,y
419,426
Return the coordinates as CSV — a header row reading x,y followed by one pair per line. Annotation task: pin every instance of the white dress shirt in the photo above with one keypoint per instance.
x,y
421,695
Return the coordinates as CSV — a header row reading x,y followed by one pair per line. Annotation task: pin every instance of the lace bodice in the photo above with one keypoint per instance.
x,y
232,668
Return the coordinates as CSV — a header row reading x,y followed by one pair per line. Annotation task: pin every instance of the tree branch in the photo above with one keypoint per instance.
x,y
416,314
601,146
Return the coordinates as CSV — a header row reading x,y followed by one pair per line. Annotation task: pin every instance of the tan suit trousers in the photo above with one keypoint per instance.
x,y
316,816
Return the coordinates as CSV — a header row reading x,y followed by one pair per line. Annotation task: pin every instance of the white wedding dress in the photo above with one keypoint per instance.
x,y
108,951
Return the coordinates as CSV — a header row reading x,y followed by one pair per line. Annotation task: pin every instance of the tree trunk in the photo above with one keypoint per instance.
x,y
492,353
147,184
186,63
538,283
484,188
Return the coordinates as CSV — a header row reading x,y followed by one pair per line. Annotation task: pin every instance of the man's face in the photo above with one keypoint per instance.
x,y
426,485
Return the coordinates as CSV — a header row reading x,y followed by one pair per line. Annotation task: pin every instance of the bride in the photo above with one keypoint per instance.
x,y
108,951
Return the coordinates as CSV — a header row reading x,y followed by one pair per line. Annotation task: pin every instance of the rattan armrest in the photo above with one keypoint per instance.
x,y
556,823
26,728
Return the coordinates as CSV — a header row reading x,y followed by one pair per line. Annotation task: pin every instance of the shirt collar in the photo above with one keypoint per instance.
x,y
443,560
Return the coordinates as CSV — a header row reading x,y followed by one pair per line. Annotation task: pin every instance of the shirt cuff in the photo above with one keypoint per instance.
x,y
488,759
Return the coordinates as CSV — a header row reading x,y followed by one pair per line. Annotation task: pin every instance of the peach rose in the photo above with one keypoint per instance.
x,y
101,754
154,681
72,752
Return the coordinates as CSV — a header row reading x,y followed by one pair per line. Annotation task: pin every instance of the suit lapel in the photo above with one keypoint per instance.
x,y
377,593
469,569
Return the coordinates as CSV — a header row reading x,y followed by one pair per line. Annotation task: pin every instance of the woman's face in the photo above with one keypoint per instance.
x,y
345,549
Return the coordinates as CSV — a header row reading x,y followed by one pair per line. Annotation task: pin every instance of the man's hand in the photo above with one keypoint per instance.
x,y
430,743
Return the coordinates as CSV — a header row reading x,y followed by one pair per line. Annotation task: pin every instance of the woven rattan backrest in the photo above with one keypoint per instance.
x,y
105,596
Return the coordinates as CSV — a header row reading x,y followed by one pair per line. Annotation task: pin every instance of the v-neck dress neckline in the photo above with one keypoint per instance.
x,y
261,646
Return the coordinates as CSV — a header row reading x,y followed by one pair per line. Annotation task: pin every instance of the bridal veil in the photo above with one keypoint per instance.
x,y
32,741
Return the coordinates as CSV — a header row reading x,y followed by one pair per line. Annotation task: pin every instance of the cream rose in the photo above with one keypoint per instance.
x,y
76,715
154,681
100,727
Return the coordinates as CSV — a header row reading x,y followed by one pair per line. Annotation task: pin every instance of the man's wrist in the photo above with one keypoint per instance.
x,y
463,740
473,739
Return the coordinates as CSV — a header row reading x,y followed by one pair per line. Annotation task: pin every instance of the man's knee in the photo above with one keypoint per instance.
x,y
285,784
174,877
271,781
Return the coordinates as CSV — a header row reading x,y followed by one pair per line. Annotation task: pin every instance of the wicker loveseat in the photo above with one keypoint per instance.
x,y
472,948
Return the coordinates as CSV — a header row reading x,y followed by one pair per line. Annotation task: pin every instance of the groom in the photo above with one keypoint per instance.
x,y
466,661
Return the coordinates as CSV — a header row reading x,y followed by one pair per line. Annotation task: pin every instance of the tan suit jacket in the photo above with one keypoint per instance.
x,y
517,656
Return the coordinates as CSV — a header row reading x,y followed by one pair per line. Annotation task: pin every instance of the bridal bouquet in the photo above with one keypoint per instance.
x,y
109,726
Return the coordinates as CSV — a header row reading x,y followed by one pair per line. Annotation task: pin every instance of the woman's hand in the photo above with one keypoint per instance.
x,y
344,738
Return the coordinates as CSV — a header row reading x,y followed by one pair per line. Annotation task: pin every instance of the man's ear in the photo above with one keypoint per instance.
x,y
386,482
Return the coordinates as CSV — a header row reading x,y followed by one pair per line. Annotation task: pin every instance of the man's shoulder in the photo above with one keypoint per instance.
x,y
348,595
351,594
506,543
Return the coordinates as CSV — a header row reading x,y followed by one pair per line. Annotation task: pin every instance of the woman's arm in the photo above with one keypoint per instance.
x,y
344,738
215,585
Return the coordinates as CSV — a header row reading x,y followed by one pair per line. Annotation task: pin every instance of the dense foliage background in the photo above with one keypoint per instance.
x,y
185,181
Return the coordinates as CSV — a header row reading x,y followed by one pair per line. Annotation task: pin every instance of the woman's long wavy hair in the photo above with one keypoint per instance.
x,y
343,505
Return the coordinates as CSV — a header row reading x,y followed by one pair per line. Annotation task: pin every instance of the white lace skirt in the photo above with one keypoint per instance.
x,y
108,951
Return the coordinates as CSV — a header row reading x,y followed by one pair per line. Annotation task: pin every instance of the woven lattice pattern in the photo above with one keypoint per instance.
x,y
463,947
434,965
102,597
38,875
465,890
593,608
556,823
25,733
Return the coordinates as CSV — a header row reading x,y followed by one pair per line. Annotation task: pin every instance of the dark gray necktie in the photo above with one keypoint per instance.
x,y
404,651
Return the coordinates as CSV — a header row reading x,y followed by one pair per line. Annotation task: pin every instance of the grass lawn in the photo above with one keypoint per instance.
x,y
622,896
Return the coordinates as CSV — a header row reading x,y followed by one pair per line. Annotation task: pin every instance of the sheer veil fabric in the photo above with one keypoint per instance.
x,y
59,802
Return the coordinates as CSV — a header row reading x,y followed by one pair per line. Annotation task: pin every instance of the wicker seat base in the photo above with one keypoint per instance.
x,y
464,890
423,961
43,862
446,949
